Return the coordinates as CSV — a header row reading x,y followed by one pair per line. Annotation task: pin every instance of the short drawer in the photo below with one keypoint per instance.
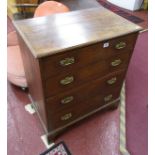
x,y
120,45
71,80
77,58
83,100
63,116
72,97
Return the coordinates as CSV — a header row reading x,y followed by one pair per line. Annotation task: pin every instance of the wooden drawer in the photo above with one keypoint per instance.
x,y
66,61
79,108
69,98
57,119
120,45
75,77
84,99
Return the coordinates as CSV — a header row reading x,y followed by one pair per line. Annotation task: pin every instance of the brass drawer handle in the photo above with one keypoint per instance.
x,y
112,81
108,98
67,61
67,100
67,80
116,62
120,45
66,117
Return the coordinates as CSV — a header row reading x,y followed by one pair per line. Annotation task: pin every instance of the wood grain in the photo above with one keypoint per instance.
x,y
60,32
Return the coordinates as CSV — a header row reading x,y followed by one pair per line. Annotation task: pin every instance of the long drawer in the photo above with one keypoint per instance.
x,y
88,98
74,78
63,62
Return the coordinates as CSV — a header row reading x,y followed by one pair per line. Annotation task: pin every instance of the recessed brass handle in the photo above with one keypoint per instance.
x,y
112,81
67,61
67,80
120,45
108,98
66,117
116,62
67,100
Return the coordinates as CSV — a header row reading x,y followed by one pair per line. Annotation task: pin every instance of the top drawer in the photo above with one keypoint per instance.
x,y
80,57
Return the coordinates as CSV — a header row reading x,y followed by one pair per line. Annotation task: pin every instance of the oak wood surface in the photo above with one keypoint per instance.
x,y
60,32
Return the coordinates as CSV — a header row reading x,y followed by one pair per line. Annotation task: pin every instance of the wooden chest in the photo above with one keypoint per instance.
x,y
75,63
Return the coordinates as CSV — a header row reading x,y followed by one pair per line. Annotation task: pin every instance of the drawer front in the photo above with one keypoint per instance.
x,y
120,45
83,100
69,98
75,78
66,61
59,119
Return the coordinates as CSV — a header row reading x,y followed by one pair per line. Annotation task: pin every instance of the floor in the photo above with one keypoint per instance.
x,y
137,98
80,4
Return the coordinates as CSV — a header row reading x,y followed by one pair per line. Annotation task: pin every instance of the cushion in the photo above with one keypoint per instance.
x,y
12,39
50,7
15,68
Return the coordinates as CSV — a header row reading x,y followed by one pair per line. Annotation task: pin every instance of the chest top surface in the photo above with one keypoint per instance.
x,y
60,32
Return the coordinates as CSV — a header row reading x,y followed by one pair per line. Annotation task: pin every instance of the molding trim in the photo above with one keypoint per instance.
x,y
122,145
145,30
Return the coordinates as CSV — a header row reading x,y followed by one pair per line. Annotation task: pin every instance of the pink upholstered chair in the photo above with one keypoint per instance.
x,y
15,68
50,7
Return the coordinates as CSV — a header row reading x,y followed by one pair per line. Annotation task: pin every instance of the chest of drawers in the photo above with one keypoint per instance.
x,y
75,64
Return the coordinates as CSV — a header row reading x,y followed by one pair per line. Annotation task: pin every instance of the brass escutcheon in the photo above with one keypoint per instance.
x,y
116,62
112,80
120,45
67,80
67,100
108,98
66,117
67,61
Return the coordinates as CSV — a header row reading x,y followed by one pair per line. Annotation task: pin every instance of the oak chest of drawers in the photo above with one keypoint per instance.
x,y
75,63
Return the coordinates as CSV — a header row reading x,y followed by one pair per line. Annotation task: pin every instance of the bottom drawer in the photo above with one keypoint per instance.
x,y
61,118
86,100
